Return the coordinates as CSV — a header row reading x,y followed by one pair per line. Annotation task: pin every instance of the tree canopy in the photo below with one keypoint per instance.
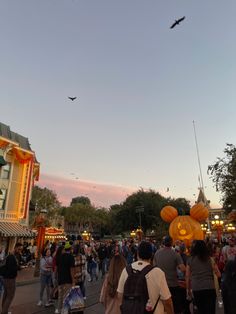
x,y
43,198
142,207
80,200
147,206
223,174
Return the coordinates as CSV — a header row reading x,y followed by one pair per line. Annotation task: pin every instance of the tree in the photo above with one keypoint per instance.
x,y
125,217
223,174
151,204
102,220
114,224
181,204
43,198
80,200
84,215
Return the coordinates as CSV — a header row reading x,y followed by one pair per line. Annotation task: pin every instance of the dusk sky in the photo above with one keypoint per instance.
x,y
139,86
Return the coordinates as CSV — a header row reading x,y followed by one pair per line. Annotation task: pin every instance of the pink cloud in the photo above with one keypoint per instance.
x,y
99,194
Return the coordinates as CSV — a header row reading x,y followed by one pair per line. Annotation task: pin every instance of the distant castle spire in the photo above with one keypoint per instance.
x,y
202,198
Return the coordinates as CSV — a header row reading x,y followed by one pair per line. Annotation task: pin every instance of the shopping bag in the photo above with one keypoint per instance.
x,y
74,300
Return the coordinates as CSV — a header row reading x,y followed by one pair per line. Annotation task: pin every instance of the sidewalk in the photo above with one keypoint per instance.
x,y
26,276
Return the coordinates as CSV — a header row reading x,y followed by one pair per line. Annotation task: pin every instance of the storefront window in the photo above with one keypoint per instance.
x,y
5,171
3,196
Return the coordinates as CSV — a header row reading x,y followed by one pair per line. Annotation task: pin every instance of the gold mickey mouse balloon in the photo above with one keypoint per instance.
x,y
185,228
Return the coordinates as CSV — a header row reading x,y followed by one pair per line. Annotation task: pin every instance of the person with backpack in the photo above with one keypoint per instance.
x,y
142,288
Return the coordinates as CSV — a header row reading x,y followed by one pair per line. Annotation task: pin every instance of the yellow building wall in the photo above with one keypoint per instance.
x,y
19,184
15,182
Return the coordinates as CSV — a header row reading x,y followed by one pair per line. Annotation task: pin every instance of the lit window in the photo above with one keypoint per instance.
x,y
5,172
3,196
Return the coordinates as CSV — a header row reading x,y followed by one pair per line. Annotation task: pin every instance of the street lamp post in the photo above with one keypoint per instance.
x,y
86,235
139,233
133,234
230,227
40,224
204,228
218,225
139,210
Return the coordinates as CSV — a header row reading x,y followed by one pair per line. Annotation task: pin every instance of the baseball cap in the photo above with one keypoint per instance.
x,y
67,246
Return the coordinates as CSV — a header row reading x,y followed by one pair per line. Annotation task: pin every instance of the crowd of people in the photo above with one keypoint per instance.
x,y
158,278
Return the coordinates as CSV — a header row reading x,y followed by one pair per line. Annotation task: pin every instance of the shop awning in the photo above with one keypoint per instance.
x,y
2,161
13,229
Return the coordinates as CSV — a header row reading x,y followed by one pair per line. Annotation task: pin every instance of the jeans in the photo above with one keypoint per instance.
x,y
82,287
8,295
176,294
205,301
93,273
1,286
103,266
45,282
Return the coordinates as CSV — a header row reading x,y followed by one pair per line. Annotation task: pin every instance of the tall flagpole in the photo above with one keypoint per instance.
x,y
200,171
198,157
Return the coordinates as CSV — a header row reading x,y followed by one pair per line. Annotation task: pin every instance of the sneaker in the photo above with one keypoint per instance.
x,y
48,304
56,311
40,303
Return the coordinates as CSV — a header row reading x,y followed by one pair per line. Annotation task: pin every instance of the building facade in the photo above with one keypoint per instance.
x,y
18,171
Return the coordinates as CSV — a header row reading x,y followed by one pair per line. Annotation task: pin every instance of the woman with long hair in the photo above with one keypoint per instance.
x,y
45,276
109,297
200,273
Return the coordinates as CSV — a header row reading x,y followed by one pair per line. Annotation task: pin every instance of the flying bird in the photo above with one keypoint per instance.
x,y
72,98
177,22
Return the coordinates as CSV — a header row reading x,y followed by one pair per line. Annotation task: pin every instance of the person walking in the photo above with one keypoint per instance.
x,y
55,262
80,272
109,295
2,263
65,270
200,272
93,268
168,261
229,251
102,255
9,275
229,287
158,298
45,277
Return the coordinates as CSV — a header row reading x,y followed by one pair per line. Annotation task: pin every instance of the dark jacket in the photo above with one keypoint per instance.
x,y
10,271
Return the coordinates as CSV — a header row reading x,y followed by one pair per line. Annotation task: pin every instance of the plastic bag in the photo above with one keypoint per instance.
x,y
74,300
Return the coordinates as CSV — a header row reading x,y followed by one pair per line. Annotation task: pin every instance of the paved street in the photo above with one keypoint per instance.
x,y
27,296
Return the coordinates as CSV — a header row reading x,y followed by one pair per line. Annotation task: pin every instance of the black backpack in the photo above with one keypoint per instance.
x,y
135,296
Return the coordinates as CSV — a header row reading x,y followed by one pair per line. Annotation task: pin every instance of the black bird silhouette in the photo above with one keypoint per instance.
x,y
72,98
177,22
